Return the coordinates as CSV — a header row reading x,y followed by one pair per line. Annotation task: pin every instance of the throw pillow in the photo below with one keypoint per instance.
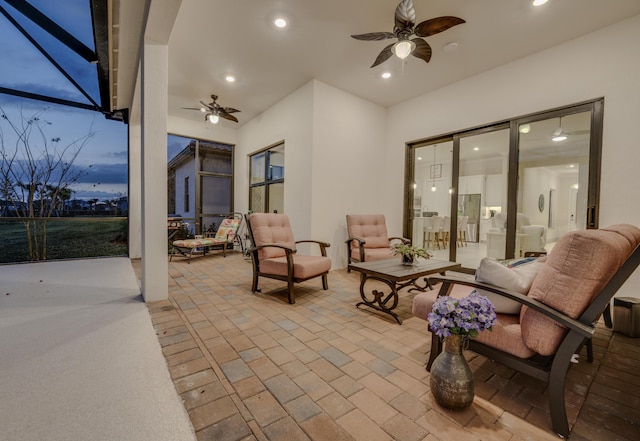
x,y
514,276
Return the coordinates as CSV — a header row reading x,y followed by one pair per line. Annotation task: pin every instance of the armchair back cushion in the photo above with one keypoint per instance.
x,y
272,228
372,228
579,266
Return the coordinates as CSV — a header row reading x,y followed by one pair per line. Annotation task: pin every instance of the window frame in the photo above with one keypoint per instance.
x,y
267,181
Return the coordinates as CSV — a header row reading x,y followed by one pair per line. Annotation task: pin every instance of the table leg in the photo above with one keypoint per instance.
x,y
379,300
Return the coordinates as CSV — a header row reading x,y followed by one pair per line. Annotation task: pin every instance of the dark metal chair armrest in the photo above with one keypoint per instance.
x,y
361,243
323,245
447,285
404,240
287,249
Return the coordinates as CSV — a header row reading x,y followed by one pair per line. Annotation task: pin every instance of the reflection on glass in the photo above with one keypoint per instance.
x,y
276,164
553,174
276,198
482,196
257,168
256,204
432,198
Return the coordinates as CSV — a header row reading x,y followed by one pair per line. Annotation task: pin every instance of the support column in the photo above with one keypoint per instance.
x,y
135,177
155,268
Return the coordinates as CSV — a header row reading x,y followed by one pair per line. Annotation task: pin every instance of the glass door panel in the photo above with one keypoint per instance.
x,y
482,197
276,198
553,178
215,201
432,198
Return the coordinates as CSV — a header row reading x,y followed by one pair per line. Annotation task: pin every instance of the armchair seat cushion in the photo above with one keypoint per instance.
x,y
304,267
200,242
371,254
505,335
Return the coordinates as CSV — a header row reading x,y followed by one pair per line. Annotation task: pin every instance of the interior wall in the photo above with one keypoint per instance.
x,y
562,75
289,120
348,142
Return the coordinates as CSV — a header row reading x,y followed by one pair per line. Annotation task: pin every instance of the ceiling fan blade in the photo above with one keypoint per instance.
x,y
383,56
405,15
437,25
422,50
192,108
229,110
208,106
373,36
227,116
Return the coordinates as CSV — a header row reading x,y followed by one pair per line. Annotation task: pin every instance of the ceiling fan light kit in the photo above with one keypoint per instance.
x,y
405,27
403,48
215,111
559,134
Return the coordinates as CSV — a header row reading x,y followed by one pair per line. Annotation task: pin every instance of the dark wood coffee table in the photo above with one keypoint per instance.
x,y
396,276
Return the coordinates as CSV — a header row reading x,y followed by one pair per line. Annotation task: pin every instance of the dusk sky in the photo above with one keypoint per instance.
x,y
23,67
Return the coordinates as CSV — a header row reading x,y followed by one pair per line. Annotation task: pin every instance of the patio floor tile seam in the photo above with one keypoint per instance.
x,y
240,407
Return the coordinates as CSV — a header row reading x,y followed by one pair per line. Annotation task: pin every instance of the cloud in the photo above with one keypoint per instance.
x,y
104,173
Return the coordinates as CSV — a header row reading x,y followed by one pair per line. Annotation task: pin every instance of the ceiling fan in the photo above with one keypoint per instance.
x,y
560,134
215,111
405,26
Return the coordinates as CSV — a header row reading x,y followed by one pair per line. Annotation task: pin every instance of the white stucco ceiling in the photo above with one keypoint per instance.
x,y
213,38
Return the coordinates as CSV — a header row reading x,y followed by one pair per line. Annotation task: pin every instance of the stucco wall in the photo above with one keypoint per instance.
x,y
600,64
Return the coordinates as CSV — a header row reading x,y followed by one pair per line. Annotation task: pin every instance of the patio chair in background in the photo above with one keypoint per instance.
x,y
368,239
225,236
274,255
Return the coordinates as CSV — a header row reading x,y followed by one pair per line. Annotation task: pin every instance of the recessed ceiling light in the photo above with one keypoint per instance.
x,y
230,78
571,166
476,149
386,75
450,47
524,128
419,158
280,22
539,2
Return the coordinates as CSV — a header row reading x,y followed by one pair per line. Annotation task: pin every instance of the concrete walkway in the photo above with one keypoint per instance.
x,y
79,359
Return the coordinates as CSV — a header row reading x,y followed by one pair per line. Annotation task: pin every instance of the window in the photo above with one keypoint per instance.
x,y
210,164
266,180
186,193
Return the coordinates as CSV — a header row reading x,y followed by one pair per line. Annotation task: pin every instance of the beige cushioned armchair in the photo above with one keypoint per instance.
x,y
368,239
559,314
274,254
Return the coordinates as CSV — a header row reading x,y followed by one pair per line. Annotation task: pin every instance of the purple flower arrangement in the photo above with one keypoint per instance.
x,y
464,316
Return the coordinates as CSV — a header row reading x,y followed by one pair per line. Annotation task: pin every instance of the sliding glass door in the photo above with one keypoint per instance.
x,y
519,185
554,173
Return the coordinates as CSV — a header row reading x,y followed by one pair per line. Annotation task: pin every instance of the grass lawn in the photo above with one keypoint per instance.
x,y
68,238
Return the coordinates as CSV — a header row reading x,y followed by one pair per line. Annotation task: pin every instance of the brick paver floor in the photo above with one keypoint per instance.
x,y
253,367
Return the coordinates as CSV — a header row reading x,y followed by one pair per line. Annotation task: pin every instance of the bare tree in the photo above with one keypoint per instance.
x,y
36,173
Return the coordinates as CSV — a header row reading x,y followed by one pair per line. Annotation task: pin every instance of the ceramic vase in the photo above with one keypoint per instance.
x,y
451,377
407,260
